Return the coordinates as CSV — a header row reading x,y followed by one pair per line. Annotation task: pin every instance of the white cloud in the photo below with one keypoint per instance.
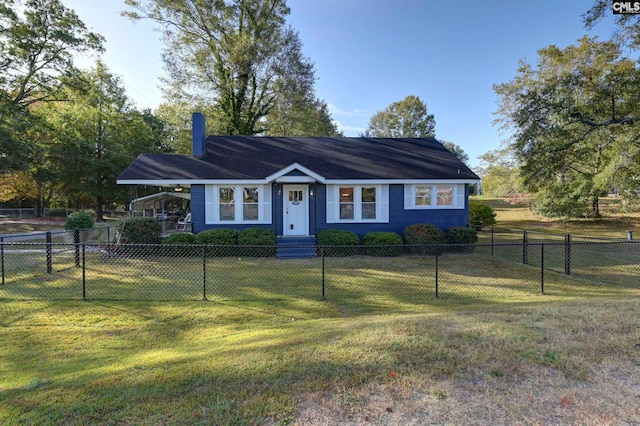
x,y
335,110
350,131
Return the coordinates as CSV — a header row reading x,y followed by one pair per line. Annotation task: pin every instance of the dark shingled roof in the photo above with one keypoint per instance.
x,y
244,157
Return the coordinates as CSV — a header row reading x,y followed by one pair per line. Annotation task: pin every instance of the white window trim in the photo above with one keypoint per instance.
x,y
458,202
333,203
212,204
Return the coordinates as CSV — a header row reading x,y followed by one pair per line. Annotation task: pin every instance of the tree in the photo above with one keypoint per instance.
x,y
38,39
407,118
456,150
628,24
573,118
301,115
238,55
500,173
98,133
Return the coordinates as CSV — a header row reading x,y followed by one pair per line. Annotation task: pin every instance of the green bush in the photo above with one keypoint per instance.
x,y
339,238
80,220
180,238
257,237
463,236
381,239
141,230
481,214
181,244
219,237
423,234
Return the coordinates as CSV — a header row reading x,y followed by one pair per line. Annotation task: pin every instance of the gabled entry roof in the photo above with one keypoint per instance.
x,y
241,158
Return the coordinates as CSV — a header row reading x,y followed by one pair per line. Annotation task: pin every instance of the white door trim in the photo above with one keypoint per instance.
x,y
300,222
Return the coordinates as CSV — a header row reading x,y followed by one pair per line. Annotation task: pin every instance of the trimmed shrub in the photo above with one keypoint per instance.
x,y
381,239
141,230
463,236
219,237
180,238
423,234
340,239
80,220
181,244
258,238
480,215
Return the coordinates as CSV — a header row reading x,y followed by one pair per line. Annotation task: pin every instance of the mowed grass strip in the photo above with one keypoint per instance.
x,y
570,362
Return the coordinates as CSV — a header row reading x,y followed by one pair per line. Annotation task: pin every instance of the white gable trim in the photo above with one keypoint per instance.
x,y
295,166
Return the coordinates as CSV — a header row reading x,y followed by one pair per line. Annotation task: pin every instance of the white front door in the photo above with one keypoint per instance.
x,y
296,210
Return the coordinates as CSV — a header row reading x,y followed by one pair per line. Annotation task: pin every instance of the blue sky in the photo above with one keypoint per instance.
x,y
370,53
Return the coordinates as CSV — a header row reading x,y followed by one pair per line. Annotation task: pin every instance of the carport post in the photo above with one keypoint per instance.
x,y
48,250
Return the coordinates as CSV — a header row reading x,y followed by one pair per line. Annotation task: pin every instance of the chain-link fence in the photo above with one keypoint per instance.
x,y
351,275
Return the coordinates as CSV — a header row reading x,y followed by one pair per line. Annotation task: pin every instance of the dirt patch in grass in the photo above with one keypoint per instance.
x,y
540,396
536,366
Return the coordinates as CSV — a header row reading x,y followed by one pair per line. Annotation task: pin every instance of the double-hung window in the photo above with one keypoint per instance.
x,y
237,204
434,196
357,203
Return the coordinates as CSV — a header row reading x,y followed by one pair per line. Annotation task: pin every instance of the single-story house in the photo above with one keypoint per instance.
x,y
298,186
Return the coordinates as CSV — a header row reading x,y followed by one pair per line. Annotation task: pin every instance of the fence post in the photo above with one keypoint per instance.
x,y
48,251
437,267
2,258
204,272
322,258
525,247
542,268
76,241
84,273
567,254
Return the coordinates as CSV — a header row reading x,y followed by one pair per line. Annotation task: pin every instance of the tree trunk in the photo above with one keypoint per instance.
x,y
37,210
99,212
595,205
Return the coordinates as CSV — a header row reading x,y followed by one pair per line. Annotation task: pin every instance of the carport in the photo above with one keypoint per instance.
x,y
154,205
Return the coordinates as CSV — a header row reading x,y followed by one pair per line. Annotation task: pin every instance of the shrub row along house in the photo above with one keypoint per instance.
x,y
299,186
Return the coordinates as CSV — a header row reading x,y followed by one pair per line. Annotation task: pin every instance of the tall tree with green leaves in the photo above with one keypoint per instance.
x,y
573,119
301,115
407,118
237,55
38,39
456,150
98,134
500,173
628,24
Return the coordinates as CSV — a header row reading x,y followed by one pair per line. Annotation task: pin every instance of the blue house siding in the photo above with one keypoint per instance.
x,y
198,213
398,216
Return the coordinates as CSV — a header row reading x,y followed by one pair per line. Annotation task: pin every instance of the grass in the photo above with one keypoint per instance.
x,y
239,363
614,223
267,349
